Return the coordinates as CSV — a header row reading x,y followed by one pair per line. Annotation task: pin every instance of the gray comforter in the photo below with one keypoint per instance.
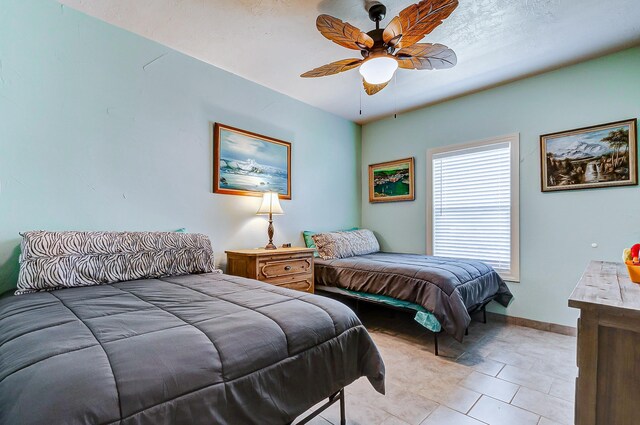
x,y
446,287
196,349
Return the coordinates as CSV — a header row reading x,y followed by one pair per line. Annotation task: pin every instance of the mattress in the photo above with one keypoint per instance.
x,y
447,287
194,349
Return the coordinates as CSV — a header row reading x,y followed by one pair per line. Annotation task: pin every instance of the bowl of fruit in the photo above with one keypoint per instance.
x,y
630,258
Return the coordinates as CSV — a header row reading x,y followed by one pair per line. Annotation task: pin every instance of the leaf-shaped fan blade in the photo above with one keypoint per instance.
x,y
393,32
333,68
426,56
343,33
416,21
372,89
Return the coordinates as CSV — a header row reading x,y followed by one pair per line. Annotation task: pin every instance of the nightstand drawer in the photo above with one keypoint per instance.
x,y
278,268
297,282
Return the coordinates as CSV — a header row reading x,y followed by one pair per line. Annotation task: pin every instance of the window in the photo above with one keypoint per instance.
x,y
474,203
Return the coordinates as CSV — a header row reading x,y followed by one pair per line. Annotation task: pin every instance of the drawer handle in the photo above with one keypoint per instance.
x,y
287,268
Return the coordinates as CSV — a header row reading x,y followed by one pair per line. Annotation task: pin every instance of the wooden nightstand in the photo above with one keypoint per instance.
x,y
286,267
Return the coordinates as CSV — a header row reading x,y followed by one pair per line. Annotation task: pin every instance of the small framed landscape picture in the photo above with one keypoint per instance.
x,y
599,156
250,164
392,181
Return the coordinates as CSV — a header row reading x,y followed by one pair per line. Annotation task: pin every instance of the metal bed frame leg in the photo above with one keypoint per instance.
x,y
466,331
339,397
343,416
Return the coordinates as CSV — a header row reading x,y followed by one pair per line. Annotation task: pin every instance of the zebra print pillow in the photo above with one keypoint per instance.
x,y
54,260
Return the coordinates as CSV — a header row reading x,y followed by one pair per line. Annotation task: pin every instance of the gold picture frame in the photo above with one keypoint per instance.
x,y
392,181
249,164
604,155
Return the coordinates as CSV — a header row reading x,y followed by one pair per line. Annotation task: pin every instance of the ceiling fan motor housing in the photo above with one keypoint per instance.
x,y
379,46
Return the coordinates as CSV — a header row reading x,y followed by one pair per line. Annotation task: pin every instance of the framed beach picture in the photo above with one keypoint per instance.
x,y
249,164
392,181
599,156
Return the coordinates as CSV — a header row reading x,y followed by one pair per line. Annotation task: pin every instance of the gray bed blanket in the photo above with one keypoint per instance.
x,y
195,349
446,287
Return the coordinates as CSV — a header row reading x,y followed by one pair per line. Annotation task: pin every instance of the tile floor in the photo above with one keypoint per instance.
x,y
500,374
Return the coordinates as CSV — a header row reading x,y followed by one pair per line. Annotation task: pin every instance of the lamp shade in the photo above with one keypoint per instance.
x,y
378,70
270,204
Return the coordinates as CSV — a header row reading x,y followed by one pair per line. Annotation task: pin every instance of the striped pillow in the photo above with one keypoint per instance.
x,y
54,260
345,244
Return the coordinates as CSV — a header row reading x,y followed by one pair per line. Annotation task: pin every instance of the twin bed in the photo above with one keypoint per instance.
x,y
443,292
140,328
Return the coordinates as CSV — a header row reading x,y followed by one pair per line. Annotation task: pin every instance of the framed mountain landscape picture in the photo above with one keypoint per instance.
x,y
250,164
392,181
599,156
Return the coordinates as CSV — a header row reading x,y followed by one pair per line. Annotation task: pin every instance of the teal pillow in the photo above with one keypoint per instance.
x,y
308,240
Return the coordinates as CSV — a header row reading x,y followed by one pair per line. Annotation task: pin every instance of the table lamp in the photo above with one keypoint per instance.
x,y
270,206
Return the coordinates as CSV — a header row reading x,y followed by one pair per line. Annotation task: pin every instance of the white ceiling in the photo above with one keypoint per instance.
x,y
272,42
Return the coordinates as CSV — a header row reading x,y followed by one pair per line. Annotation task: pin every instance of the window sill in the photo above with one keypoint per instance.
x,y
509,277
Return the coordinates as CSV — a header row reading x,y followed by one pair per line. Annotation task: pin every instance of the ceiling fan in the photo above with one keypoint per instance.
x,y
384,51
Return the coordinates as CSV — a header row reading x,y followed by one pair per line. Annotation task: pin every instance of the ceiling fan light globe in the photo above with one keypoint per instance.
x,y
378,70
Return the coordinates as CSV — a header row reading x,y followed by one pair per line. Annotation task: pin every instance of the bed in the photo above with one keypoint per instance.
x,y
446,288
191,349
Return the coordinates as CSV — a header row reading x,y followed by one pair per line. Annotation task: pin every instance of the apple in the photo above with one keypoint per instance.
x,y
635,250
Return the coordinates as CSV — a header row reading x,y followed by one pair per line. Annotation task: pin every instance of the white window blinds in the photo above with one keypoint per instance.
x,y
472,204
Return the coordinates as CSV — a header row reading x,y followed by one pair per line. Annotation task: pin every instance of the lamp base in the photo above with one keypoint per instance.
x,y
270,245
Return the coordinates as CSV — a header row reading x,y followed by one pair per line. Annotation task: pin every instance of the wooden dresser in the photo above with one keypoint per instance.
x,y
287,267
608,383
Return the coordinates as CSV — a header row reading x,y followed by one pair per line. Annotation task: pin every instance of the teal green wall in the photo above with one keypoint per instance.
x,y
91,138
95,134
557,229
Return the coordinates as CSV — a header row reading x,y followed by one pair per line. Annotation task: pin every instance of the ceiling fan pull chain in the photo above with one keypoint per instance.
x,y
395,95
360,93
